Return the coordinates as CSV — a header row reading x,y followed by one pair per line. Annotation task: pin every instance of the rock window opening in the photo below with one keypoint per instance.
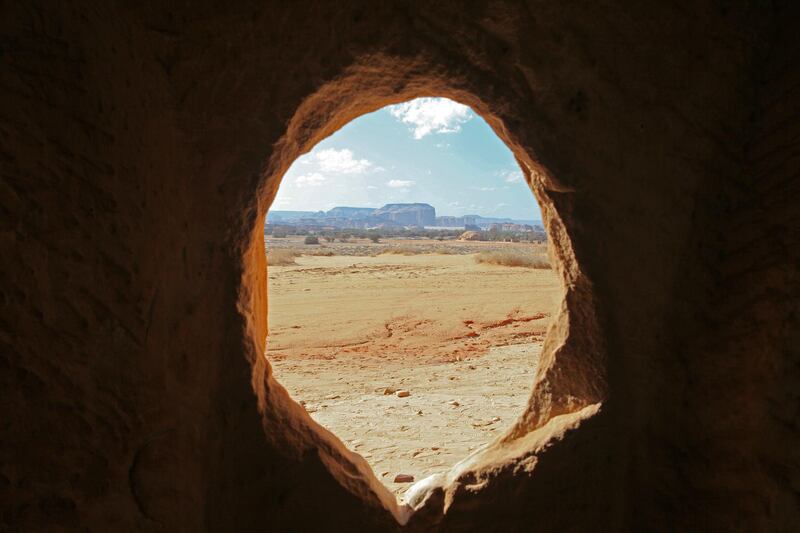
x,y
410,287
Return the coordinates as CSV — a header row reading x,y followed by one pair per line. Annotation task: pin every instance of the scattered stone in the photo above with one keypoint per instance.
x,y
403,478
435,448
472,367
419,412
454,403
389,390
403,394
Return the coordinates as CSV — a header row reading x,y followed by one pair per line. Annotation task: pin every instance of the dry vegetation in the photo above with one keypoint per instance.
x,y
512,258
319,252
281,257
287,256
404,249
285,251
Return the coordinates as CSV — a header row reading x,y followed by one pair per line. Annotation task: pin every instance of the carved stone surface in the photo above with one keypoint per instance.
x,y
142,144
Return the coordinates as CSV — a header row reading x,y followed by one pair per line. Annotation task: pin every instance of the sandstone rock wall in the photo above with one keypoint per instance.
x,y
142,144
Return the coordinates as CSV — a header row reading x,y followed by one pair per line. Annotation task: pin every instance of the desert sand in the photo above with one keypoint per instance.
x,y
348,333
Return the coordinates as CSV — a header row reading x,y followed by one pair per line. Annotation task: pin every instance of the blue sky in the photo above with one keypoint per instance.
x,y
430,150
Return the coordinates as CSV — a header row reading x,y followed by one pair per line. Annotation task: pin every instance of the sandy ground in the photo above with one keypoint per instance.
x,y
348,332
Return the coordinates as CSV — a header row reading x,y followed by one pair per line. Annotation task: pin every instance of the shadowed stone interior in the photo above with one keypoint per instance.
x,y
142,146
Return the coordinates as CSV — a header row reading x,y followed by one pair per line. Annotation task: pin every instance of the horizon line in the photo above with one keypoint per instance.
x,y
271,209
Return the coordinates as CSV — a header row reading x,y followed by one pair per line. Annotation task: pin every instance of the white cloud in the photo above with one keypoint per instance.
x,y
314,179
342,162
484,189
512,176
431,115
399,184
371,187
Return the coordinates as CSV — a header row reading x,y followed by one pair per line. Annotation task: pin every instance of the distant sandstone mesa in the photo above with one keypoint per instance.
x,y
394,215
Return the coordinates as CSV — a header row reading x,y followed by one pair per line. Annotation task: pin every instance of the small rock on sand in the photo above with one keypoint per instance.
x,y
403,478
454,403
403,394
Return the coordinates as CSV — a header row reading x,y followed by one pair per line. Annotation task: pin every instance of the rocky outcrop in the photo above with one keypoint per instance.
x,y
142,145
351,212
407,214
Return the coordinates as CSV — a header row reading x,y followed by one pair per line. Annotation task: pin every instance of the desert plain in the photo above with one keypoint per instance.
x,y
411,351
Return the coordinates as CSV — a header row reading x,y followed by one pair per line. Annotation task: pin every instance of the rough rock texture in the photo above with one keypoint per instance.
x,y
141,146
417,214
